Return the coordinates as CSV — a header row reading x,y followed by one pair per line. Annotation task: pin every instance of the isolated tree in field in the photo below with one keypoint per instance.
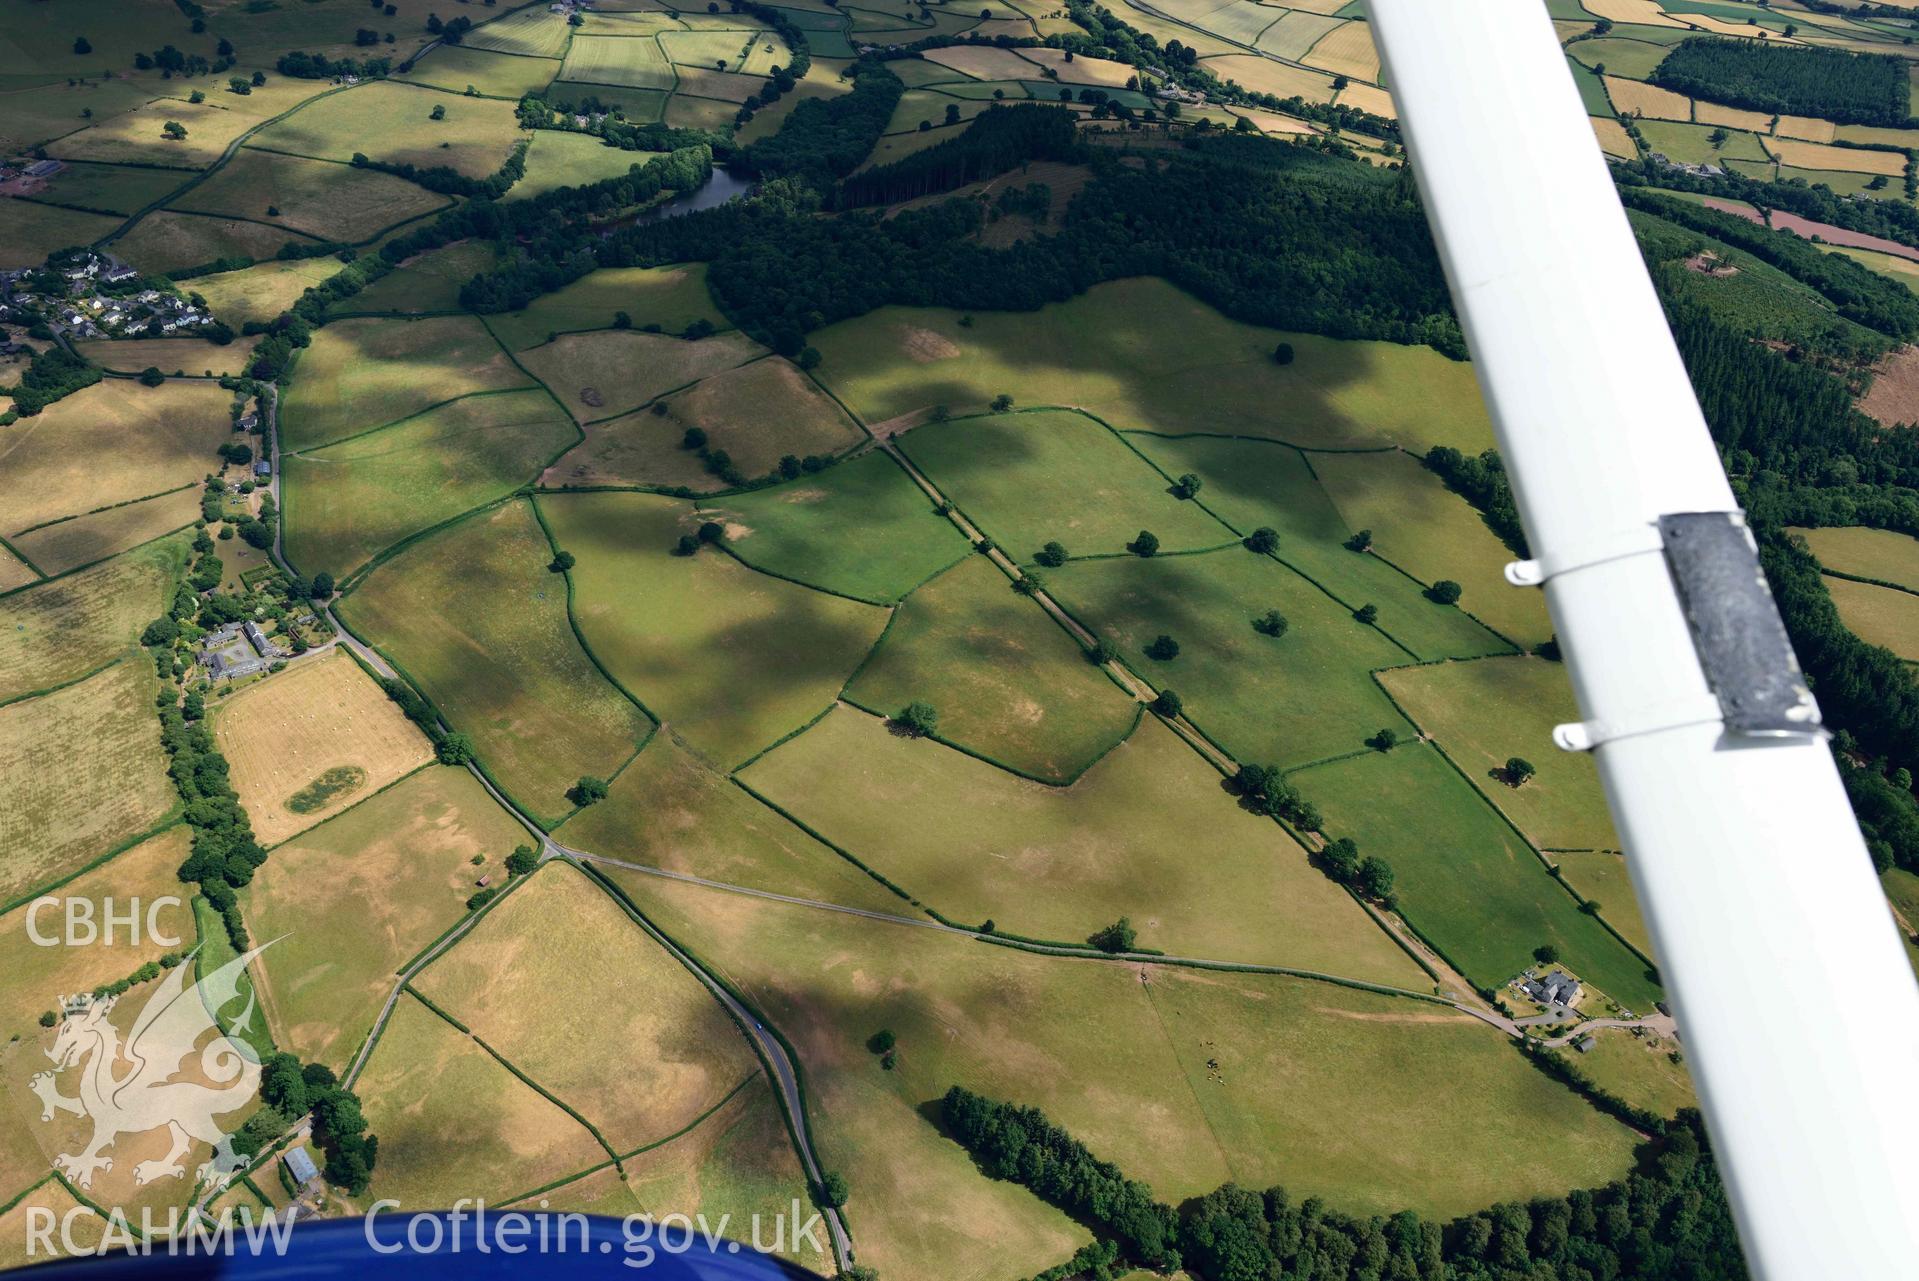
x,y
1168,704
48,1018
1271,623
809,358
151,376
1367,614
1264,540
882,1041
1518,771
952,113
562,561
712,532
1360,542
589,790
832,1191
695,437
173,129
1117,937
1376,878
1718,137
438,112
1147,544
1546,954
1340,82
454,749
1341,858
1443,592
1053,555
82,46
1384,740
1162,648
1187,486
1283,354
687,546
522,860
1002,403
917,718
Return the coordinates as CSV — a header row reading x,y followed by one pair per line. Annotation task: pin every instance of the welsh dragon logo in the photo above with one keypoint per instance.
x,y
176,1070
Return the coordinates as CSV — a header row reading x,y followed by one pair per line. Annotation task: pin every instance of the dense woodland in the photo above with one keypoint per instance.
x,y
1666,1221
1851,88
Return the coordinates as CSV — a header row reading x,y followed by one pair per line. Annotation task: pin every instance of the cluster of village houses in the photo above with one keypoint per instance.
x,y
87,307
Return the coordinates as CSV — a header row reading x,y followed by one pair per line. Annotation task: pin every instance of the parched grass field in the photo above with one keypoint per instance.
x,y
706,47
503,664
27,1216
1347,50
165,241
1638,1070
1432,533
1254,484
137,136
188,356
1878,615
347,502
729,658
861,528
283,733
362,374
671,810
670,297
456,67
1601,875
53,465
1027,478
1648,101
1484,713
611,371
533,30
60,630
1293,34
1263,75
1302,697
353,900
389,121
731,407
1884,554
1713,113
979,844
427,282
556,160
454,1122
35,975
1374,1103
1464,879
331,201
14,572
263,291
1814,155
87,539
120,189
1008,682
636,62
1142,354
532,981
111,784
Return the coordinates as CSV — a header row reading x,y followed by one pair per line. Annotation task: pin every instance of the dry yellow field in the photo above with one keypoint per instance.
x,y
87,539
169,355
611,371
53,1198
1263,75
13,571
561,982
168,241
1810,128
264,291
1369,98
1713,113
1646,13
1613,137
1649,102
51,465
1081,71
1814,155
983,62
1346,50
282,735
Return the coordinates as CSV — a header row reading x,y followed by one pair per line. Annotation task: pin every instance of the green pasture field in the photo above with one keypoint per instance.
x,y
1008,682
496,75
670,809
1689,144
1842,183
111,784
41,113
917,106
530,980
977,844
329,201
1884,554
165,241
262,292
1903,270
556,160
1302,697
421,1091
390,121
355,898
1142,354
635,62
1601,876
1878,615
533,30
215,950
766,52
163,437
704,48
731,659
56,631
346,502
861,528
1621,56
362,374
427,282
1432,534
606,373
87,539
1255,484
1465,880
1639,1070
670,297
684,111
39,48
1038,476
29,231
480,623
649,448
1902,890
1484,713
1376,1103
121,189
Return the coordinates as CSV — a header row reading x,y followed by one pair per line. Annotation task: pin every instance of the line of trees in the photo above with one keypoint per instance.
x,y
449,181
288,1091
317,66
1482,482
54,374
